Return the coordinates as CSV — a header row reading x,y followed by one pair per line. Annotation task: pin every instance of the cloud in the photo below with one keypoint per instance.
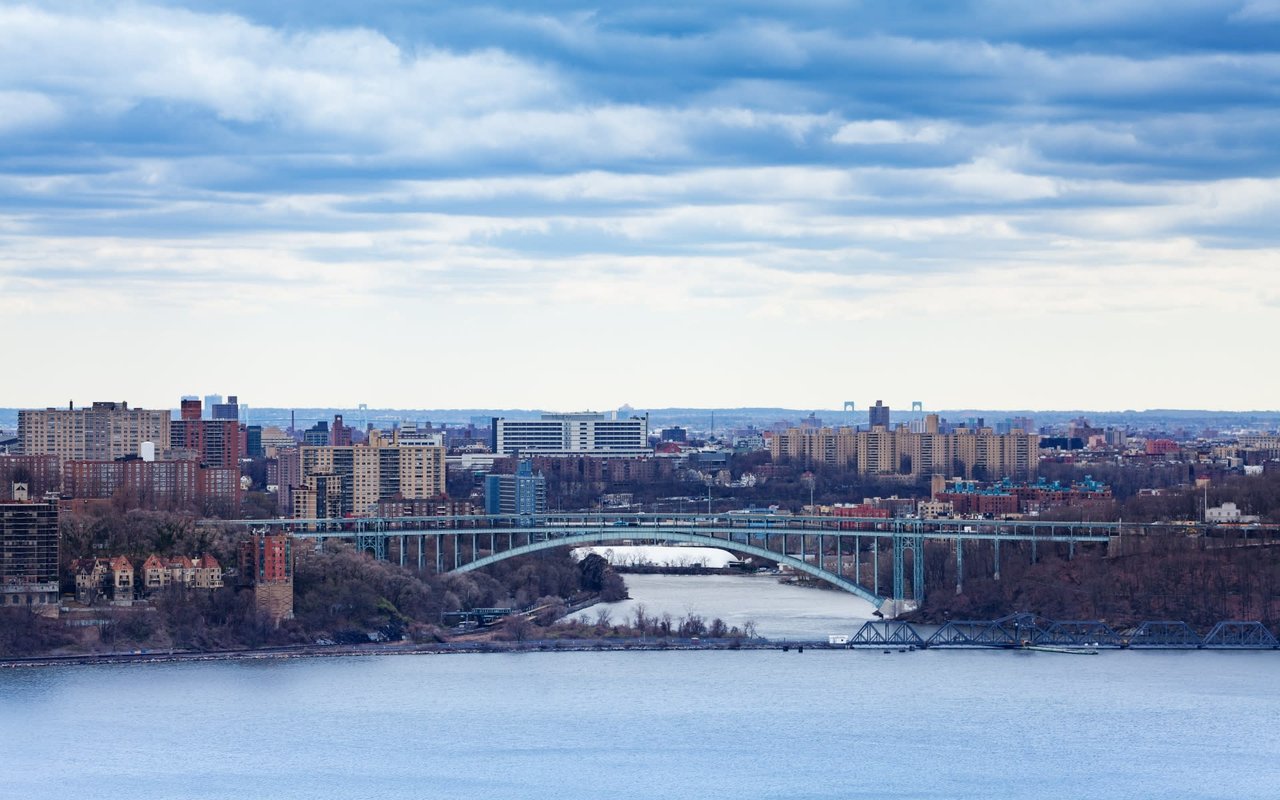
x,y
883,131
1257,11
791,166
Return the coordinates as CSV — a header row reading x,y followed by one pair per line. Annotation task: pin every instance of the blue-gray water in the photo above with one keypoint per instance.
x,y
835,724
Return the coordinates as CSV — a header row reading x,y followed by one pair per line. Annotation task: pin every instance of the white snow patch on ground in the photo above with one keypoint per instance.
x,y
629,555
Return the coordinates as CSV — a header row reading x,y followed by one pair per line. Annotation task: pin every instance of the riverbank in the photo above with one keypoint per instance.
x,y
438,648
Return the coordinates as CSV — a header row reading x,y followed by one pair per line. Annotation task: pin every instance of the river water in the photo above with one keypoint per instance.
x,y
684,724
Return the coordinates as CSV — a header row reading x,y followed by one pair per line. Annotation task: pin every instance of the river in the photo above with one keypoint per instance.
x,y
697,724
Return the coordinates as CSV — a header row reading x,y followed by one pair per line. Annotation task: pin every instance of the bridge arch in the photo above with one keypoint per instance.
x,y
603,536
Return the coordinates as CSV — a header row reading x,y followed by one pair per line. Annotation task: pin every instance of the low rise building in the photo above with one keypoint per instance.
x,y
203,572
1228,513
104,578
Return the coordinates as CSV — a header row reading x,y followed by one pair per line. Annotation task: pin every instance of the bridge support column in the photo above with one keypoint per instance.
x,y
997,559
917,568
875,565
401,543
422,541
903,542
959,566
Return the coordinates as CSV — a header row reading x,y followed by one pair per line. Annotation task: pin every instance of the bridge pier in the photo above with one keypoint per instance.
x,y
875,565
902,542
959,566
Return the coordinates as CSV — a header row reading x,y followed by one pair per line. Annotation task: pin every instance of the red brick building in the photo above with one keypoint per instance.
x,y
266,563
861,511
41,474
155,485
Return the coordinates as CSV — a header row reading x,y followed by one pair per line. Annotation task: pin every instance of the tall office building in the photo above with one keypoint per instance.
x,y
879,415
228,410
339,434
572,434
102,432
523,493
317,435
28,553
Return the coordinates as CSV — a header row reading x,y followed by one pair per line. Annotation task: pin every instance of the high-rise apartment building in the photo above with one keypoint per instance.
x,y
971,453
381,469
572,434
156,485
28,553
266,563
102,432
213,442
39,474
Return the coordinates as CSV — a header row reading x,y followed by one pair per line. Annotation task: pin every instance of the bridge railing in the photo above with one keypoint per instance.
x,y
877,527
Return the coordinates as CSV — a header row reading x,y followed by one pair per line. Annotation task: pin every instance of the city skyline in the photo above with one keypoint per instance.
x,y
983,205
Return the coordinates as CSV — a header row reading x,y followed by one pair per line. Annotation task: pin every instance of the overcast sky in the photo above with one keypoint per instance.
x,y
1052,204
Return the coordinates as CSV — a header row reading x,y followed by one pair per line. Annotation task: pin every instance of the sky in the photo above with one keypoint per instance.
x,y
1059,204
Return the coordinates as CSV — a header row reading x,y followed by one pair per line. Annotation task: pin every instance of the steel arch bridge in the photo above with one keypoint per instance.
x,y
629,535
837,550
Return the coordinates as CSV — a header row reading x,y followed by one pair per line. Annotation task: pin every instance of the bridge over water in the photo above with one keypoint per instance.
x,y
843,551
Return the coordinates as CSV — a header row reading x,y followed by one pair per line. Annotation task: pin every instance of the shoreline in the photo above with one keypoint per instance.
x,y
438,648
534,646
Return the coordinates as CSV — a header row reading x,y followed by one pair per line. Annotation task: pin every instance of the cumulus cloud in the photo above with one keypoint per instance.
x,y
1100,161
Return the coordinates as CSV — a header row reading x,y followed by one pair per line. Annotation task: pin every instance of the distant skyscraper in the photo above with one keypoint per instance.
x,y
317,435
339,434
210,400
227,410
879,414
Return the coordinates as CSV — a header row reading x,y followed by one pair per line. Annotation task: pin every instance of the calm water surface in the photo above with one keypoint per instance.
x,y
837,724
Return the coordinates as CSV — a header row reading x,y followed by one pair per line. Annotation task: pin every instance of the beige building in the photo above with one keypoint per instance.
x,y
97,577
968,452
102,432
200,573
361,475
